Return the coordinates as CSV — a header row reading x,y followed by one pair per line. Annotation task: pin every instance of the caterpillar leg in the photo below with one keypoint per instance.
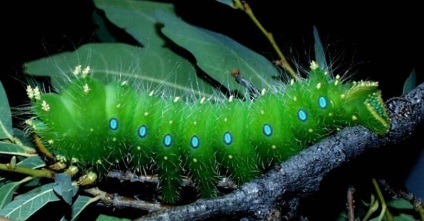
x,y
60,165
41,148
87,179
71,170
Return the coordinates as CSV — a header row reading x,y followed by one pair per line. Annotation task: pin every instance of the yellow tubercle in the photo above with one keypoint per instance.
x,y
85,72
230,99
88,179
314,65
45,106
86,88
77,70
30,92
263,91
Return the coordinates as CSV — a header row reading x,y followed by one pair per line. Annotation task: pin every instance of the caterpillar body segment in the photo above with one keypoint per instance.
x,y
96,126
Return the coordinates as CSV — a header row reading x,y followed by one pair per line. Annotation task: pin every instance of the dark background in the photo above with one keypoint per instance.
x,y
379,41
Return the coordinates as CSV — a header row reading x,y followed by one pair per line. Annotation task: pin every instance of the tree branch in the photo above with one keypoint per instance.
x,y
301,175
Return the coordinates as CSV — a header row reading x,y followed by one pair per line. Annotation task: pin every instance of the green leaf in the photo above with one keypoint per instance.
x,y
102,32
109,218
23,138
79,205
410,83
35,182
12,149
400,204
32,162
6,130
319,51
135,17
218,55
27,204
227,2
63,187
6,193
149,68
404,217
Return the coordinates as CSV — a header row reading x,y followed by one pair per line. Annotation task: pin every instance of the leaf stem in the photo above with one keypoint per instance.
x,y
384,209
350,203
373,206
283,61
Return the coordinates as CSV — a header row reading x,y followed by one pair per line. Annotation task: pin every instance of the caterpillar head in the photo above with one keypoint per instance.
x,y
364,99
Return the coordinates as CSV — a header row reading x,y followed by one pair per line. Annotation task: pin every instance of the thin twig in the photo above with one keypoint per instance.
x,y
27,171
283,61
350,203
118,201
384,209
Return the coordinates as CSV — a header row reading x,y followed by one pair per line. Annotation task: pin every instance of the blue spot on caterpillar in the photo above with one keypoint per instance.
x,y
167,135
228,138
113,124
142,131
267,129
302,115
322,102
167,140
194,142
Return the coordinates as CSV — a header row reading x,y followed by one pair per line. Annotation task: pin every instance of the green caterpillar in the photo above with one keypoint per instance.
x,y
96,126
